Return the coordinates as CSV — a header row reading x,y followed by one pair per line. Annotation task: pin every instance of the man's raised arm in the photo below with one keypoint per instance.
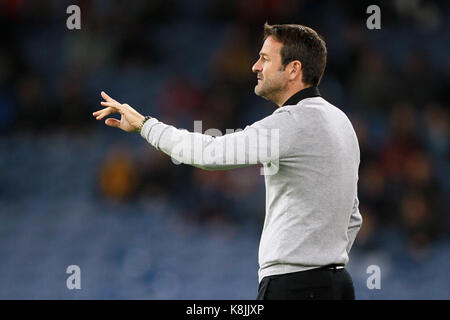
x,y
256,144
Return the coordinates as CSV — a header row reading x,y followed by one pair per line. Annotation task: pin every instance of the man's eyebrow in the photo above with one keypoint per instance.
x,y
263,54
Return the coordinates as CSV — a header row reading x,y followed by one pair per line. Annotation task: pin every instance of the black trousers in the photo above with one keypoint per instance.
x,y
326,283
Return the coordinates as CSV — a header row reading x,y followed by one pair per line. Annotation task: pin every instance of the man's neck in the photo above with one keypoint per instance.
x,y
290,92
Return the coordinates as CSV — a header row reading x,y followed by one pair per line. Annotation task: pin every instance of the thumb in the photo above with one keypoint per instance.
x,y
112,122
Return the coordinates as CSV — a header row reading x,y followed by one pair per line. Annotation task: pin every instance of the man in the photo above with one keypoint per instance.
x,y
312,214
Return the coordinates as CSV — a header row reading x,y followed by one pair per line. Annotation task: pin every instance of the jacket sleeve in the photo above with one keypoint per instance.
x,y
354,224
258,143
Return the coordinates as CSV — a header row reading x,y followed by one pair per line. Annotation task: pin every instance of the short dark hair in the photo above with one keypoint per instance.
x,y
300,43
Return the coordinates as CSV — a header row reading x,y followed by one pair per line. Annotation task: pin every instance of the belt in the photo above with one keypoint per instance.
x,y
333,267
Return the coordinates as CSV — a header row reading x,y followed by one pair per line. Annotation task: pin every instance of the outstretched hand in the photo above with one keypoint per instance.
x,y
130,119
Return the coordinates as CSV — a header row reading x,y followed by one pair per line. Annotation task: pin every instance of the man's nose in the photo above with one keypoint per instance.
x,y
256,67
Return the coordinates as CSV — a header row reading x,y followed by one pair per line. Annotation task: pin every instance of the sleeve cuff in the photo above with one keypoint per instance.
x,y
147,127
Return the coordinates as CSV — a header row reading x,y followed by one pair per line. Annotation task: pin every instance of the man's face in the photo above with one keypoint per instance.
x,y
272,78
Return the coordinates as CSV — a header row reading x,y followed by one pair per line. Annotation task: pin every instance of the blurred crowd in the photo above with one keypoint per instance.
x,y
181,61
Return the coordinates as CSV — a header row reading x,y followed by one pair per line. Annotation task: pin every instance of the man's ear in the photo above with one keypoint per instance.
x,y
295,70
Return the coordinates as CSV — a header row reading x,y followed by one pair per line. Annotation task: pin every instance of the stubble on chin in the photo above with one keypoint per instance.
x,y
264,93
257,90
261,91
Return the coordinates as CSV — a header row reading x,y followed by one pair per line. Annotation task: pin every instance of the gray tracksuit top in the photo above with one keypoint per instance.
x,y
310,157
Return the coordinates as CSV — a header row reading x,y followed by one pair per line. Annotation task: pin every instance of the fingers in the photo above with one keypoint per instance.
x,y
112,122
112,106
100,114
106,97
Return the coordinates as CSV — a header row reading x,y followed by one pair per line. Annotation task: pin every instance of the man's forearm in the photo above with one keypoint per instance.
x,y
204,151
